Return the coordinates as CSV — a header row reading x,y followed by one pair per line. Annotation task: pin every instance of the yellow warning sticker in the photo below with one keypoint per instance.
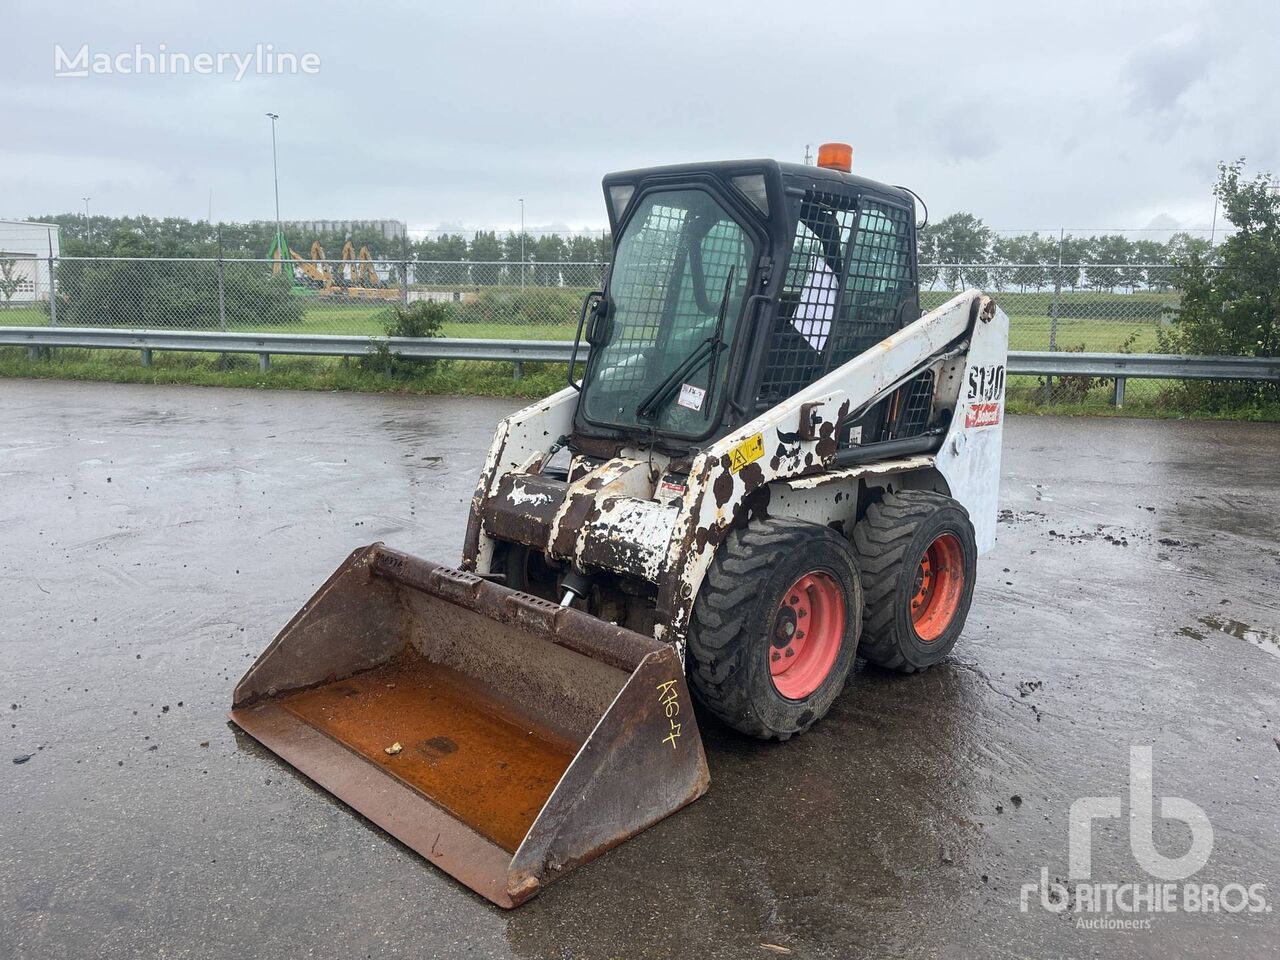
x,y
748,451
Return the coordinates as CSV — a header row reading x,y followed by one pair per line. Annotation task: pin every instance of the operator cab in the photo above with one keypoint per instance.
x,y
735,284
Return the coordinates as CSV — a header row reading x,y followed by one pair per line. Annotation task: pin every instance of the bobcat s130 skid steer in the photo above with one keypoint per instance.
x,y
773,464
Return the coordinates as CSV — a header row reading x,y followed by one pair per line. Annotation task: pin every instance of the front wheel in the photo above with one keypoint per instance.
x,y
775,627
918,558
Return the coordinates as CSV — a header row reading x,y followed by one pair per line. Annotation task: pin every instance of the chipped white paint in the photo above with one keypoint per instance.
x,y
521,438
706,516
523,496
832,497
639,531
671,544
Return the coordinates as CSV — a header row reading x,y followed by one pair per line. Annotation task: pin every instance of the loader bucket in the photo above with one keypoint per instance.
x,y
503,737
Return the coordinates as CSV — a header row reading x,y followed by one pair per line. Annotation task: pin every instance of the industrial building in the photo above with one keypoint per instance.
x,y
25,251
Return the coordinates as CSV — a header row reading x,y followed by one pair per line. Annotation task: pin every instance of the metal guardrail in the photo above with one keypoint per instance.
x,y
1114,366
284,344
1156,366
1122,367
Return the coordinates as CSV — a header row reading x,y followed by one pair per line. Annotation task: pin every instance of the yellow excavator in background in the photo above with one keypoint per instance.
x,y
353,277
314,269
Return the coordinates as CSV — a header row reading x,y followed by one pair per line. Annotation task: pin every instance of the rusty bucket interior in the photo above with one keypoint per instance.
x,y
503,737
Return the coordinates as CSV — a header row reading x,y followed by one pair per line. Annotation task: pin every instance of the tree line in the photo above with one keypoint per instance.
x,y
959,250
142,236
962,251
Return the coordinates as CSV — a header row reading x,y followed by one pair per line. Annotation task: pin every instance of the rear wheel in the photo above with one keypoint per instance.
x,y
918,559
775,627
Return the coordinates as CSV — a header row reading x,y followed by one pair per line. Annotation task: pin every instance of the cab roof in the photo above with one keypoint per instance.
x,y
787,174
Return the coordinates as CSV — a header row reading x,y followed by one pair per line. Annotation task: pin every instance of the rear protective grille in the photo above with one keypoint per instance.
x,y
850,273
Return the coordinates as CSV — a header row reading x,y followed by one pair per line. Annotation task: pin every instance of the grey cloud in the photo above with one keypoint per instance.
x,y
1025,114
1161,73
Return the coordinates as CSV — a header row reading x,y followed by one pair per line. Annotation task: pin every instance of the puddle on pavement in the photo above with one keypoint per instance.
x,y
415,429
1262,639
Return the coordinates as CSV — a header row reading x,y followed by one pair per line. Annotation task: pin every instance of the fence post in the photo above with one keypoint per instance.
x,y
264,362
222,296
1118,397
1053,316
53,289
146,356
404,271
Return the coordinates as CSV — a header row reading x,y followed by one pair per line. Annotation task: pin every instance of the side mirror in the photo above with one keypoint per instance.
x,y
597,328
590,303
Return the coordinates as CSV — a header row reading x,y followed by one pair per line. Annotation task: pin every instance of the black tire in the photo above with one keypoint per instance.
x,y
525,569
737,611
891,541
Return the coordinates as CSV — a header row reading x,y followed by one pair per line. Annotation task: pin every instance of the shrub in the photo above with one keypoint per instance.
x,y
1073,388
424,318
1232,308
158,294
511,305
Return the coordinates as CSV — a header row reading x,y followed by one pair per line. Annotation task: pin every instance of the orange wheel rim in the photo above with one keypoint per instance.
x,y
806,634
938,586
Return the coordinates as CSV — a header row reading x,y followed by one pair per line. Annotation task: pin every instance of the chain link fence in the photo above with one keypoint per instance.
x,y
1091,307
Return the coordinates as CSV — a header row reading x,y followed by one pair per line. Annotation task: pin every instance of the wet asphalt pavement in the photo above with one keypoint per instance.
x,y
155,538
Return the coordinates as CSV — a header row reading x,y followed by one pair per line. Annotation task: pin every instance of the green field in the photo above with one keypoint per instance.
x,y
1026,394
1029,328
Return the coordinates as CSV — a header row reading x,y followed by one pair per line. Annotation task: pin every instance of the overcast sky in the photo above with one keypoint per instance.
x,y
1082,115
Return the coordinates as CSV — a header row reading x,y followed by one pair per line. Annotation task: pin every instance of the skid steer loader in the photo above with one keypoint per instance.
x,y
773,463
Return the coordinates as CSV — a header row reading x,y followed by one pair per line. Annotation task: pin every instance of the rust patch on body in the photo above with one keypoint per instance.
x,y
523,508
752,476
722,488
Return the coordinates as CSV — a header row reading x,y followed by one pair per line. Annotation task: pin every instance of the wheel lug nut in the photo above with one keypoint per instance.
x,y
790,652
776,656
799,636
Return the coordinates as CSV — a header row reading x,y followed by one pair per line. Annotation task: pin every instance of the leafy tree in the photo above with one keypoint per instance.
x,y
1028,255
10,278
1071,252
1183,246
485,247
583,248
1149,257
549,251
1232,308
1107,257
957,243
437,252
512,248
452,246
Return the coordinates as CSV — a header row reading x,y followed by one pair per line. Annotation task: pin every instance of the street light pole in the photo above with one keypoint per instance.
x,y
86,208
275,176
522,244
